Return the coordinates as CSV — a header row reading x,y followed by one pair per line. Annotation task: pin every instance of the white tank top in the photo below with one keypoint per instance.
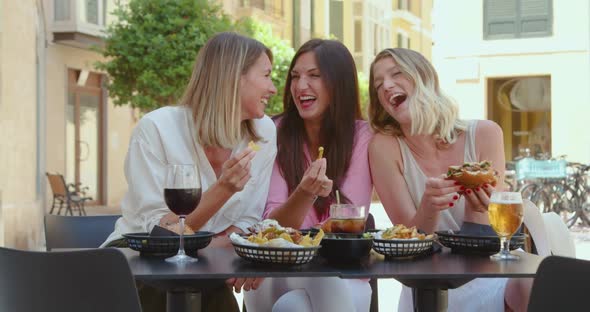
x,y
450,219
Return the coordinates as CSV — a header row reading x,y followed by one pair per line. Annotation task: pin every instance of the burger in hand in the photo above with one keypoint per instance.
x,y
472,175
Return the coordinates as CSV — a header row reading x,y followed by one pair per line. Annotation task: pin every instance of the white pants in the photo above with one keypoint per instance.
x,y
480,294
305,294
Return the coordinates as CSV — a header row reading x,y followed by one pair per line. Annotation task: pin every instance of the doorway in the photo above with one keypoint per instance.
x,y
84,144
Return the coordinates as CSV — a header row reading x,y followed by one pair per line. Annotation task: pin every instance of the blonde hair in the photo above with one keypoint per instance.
x,y
213,92
431,111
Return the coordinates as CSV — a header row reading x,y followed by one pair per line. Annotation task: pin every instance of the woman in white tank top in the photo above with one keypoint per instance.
x,y
419,135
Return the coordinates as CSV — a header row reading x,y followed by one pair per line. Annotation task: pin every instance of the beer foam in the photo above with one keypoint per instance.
x,y
506,198
506,201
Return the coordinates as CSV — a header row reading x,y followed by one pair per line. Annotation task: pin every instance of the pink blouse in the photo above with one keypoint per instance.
x,y
357,184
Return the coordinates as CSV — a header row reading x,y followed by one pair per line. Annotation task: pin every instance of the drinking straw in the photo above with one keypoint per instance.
x,y
337,197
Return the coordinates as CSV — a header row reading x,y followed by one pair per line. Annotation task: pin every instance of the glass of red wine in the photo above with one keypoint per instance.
x,y
182,193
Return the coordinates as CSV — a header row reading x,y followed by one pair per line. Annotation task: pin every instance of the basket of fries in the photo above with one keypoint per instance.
x,y
271,243
276,255
401,242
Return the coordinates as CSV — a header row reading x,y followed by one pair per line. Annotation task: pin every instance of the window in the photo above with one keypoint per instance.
x,y
92,11
62,10
522,107
336,25
403,41
358,36
403,4
506,19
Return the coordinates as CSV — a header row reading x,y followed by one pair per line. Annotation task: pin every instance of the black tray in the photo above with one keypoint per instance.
x,y
276,255
162,246
463,243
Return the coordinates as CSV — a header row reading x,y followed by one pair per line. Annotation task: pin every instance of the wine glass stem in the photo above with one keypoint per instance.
x,y
505,248
181,246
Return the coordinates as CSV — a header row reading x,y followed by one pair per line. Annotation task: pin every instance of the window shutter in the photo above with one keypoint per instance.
x,y
500,19
535,18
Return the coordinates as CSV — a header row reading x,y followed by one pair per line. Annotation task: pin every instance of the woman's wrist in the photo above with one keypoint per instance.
x,y
301,193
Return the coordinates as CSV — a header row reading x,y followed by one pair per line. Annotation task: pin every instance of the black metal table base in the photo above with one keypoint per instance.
x,y
180,301
430,300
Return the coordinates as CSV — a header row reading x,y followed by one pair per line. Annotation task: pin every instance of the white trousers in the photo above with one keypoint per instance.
x,y
304,294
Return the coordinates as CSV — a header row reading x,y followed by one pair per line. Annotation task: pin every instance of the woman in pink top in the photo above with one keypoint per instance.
x,y
321,109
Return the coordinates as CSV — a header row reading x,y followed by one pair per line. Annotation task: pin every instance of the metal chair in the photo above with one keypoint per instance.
x,y
66,194
78,231
86,280
560,285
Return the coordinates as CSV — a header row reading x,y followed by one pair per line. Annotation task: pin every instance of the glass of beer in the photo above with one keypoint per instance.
x,y
506,213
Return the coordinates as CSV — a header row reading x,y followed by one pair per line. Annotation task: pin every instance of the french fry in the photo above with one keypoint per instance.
x,y
320,152
400,231
253,146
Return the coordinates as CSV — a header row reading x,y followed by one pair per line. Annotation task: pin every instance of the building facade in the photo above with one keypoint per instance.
x,y
55,114
364,26
523,64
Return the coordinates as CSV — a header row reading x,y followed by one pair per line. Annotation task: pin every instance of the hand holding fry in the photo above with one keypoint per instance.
x,y
314,181
236,171
320,152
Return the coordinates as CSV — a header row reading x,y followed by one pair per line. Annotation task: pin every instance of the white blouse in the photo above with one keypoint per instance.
x,y
167,136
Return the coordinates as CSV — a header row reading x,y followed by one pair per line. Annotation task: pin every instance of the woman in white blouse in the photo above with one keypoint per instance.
x,y
221,111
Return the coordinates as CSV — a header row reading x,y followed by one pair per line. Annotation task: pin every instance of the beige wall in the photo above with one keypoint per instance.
x,y
21,215
465,62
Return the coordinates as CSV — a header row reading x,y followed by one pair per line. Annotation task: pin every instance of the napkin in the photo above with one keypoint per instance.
x,y
162,231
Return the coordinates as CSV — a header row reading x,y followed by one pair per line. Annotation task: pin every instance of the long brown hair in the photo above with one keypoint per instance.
x,y
338,72
213,92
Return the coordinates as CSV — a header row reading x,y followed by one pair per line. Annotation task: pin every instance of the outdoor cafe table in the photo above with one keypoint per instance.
x,y
429,276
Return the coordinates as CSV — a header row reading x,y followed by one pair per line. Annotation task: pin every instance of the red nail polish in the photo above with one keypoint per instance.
x,y
451,204
468,191
477,189
455,197
457,183
486,185
462,188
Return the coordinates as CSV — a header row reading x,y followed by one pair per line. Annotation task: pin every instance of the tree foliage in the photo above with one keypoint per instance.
x,y
151,48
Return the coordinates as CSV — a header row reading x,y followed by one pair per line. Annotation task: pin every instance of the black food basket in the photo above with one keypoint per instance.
x,y
162,246
463,243
276,255
403,248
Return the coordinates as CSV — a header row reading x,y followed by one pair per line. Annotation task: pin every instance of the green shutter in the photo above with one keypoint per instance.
x,y
504,19
535,18
500,19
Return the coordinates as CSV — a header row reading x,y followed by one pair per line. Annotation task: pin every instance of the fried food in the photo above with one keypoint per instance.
x,y
320,152
400,231
253,146
269,233
472,175
175,227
